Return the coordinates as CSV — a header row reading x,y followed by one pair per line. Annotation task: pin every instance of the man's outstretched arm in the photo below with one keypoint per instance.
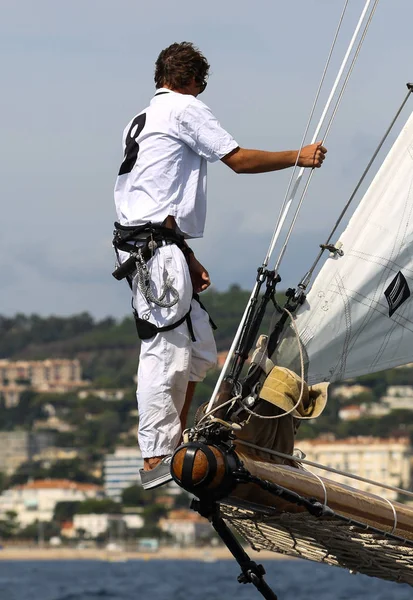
x,y
242,160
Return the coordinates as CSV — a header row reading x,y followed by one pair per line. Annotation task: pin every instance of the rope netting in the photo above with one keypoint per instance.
x,y
325,539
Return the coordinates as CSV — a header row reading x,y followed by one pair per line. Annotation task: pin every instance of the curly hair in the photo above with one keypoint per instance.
x,y
178,64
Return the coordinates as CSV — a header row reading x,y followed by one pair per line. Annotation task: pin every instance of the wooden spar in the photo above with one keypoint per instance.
x,y
349,502
209,471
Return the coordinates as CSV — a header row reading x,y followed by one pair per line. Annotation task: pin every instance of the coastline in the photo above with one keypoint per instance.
x,y
208,554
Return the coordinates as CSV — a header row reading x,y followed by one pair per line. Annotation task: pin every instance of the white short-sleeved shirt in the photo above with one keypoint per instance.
x,y
166,149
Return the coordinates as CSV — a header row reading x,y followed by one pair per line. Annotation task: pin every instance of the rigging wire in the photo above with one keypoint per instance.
x,y
320,123
261,277
325,468
310,118
329,124
306,279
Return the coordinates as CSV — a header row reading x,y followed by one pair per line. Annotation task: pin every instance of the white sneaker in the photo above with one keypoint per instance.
x,y
157,476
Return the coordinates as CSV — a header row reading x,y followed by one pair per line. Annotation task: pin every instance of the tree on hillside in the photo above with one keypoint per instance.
x,y
8,525
182,500
151,514
39,531
21,331
367,397
136,496
65,511
4,481
27,470
73,469
101,432
99,507
23,414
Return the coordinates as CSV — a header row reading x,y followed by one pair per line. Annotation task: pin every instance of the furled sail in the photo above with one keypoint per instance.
x,y
358,316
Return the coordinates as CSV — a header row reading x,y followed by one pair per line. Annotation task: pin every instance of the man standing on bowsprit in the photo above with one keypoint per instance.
x,y
160,198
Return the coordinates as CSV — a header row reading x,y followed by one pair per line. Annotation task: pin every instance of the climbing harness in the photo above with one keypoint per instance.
x,y
141,242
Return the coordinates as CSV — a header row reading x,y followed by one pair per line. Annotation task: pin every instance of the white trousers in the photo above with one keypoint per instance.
x,y
170,359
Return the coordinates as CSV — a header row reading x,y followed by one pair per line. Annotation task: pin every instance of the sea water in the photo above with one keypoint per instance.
x,y
185,580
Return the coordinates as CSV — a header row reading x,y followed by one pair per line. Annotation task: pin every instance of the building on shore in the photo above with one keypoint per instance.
x,y
386,461
93,525
108,395
348,391
54,454
52,375
121,470
186,527
36,500
18,447
398,397
351,412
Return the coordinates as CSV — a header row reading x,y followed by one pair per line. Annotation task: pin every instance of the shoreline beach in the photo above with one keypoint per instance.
x,y
208,554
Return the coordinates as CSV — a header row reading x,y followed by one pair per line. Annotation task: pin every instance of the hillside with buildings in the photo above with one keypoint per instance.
x,y
68,419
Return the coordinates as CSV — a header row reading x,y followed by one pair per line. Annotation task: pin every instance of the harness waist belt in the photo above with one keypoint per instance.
x,y
148,238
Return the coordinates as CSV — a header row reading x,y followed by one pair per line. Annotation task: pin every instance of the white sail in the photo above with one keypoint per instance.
x,y
358,316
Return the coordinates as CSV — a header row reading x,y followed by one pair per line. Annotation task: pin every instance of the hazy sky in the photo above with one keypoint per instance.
x,y
75,72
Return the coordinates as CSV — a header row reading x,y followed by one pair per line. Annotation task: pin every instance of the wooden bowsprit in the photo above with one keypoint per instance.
x,y
356,530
